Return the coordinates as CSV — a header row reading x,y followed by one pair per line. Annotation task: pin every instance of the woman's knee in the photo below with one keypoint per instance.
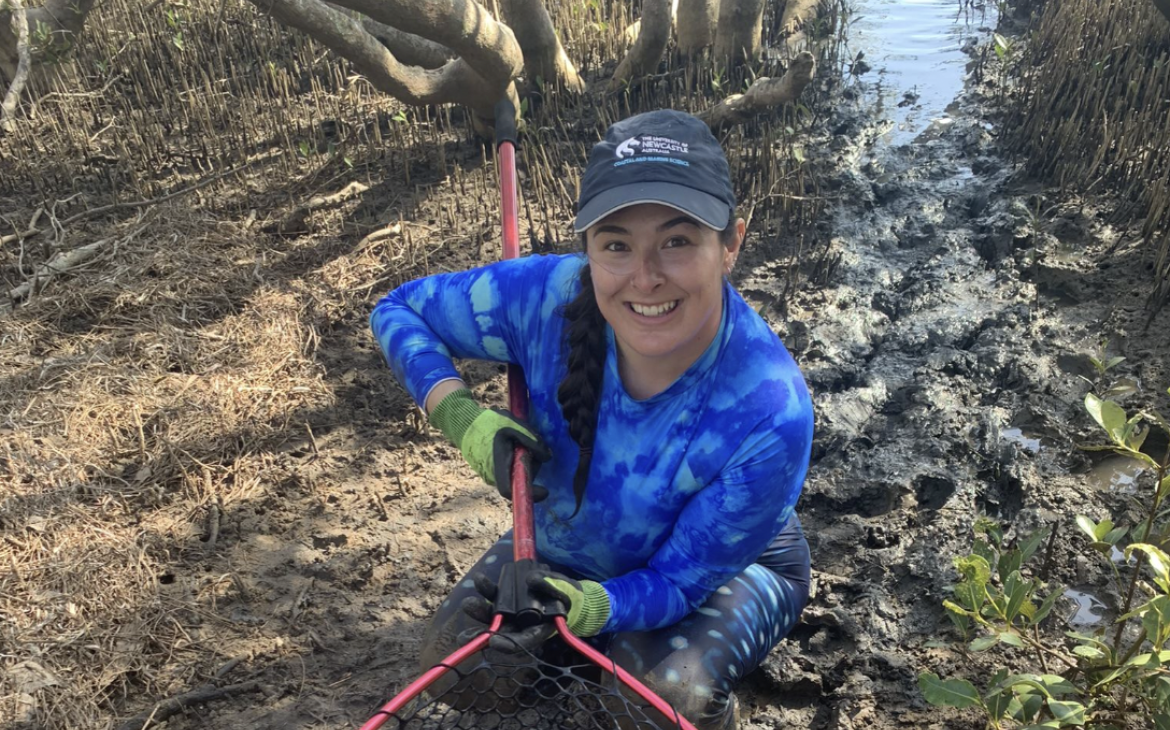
x,y
705,704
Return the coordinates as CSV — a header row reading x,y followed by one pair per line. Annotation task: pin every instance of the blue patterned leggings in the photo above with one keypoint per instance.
x,y
696,663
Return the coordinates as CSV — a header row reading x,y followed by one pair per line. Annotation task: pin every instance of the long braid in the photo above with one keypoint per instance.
x,y
580,391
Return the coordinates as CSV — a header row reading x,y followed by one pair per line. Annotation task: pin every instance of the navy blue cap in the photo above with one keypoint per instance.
x,y
664,157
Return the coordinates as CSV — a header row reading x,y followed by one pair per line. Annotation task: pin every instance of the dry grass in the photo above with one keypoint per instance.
x,y
130,405
1091,112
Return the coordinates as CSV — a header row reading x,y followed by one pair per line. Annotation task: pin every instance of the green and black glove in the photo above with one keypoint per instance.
x,y
587,601
487,438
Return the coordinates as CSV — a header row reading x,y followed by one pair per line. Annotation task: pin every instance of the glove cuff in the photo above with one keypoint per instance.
x,y
592,615
454,414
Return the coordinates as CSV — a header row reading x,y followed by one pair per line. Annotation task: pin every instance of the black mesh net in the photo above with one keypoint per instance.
x,y
511,689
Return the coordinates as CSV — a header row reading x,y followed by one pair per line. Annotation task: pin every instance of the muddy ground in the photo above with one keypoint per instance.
x,y
214,480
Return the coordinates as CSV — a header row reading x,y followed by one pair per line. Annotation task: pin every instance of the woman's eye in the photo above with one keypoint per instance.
x,y
615,247
677,241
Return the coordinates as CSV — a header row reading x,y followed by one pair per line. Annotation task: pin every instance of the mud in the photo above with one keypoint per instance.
x,y
946,349
949,359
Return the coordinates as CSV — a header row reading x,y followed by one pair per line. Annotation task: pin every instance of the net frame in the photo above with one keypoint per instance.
x,y
524,541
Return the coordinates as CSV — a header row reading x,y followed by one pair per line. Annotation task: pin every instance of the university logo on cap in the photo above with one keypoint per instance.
x,y
664,157
655,149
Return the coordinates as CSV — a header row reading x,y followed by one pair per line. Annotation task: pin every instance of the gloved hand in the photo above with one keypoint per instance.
x,y
487,439
587,601
509,639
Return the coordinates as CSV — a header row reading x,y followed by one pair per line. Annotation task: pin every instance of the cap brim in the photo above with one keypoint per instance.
x,y
707,209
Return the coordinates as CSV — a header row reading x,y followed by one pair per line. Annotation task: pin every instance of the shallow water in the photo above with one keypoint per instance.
x,y
1021,439
1116,474
915,50
1090,610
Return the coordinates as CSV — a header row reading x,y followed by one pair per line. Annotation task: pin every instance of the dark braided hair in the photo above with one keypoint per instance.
x,y
580,391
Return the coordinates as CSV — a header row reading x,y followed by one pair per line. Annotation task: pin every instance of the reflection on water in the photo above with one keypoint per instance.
x,y
915,50
1090,610
1116,474
1019,438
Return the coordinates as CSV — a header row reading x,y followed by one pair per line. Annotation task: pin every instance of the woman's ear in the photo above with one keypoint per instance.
x,y
731,252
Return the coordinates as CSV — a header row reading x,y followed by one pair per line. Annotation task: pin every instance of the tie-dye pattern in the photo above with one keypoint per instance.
x,y
686,489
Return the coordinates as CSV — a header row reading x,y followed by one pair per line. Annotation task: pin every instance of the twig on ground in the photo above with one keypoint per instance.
x,y
62,263
294,222
174,705
24,62
213,516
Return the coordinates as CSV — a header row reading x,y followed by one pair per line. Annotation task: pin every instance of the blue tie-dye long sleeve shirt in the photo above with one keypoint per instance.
x,y
686,488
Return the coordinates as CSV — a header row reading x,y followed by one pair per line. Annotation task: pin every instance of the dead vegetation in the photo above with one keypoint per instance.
x,y
193,230
1091,113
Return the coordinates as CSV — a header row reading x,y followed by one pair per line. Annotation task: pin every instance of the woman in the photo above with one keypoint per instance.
x,y
670,427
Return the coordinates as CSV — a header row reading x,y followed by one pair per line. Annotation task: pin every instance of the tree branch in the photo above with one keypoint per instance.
x,y
12,98
764,94
409,48
544,56
454,83
464,26
646,52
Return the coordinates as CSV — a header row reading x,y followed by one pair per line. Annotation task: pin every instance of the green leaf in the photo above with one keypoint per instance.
x,y
1158,560
1114,362
1025,708
1058,685
947,692
973,568
1164,487
1067,713
1009,562
998,705
1162,691
1011,639
1162,721
1156,620
1025,680
981,548
1047,604
1087,526
1149,660
1114,536
1016,589
983,643
1088,652
956,608
1032,543
1108,415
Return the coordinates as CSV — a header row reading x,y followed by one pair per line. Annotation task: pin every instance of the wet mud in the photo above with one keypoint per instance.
x,y
947,347
949,357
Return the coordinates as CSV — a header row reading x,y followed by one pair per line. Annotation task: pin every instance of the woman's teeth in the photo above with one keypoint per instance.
x,y
653,310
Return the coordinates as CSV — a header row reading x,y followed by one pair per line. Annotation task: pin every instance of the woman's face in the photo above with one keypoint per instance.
x,y
658,277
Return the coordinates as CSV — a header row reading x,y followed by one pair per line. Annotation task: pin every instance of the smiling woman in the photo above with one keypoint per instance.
x,y
669,427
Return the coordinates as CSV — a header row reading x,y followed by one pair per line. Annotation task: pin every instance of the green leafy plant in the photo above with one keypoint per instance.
x,y
1114,678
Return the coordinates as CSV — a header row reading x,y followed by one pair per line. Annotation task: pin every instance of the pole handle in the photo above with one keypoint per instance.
x,y
505,112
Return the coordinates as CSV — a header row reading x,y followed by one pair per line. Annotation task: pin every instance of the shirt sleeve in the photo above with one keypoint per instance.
x,y
486,313
723,529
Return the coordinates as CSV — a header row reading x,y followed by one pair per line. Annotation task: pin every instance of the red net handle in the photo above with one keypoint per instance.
x,y
524,543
